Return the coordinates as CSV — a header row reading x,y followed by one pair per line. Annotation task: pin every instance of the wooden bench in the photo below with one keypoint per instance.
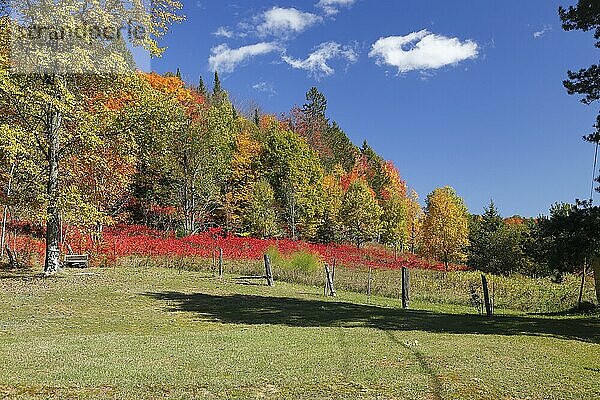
x,y
77,261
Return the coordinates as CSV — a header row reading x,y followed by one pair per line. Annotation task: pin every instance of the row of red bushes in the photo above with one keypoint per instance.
x,y
128,240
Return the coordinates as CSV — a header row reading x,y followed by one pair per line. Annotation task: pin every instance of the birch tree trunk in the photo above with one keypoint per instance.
x,y
54,120
5,212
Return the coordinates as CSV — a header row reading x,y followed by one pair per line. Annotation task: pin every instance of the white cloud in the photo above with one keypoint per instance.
x,y
224,32
540,33
265,87
422,50
316,62
225,59
332,7
283,22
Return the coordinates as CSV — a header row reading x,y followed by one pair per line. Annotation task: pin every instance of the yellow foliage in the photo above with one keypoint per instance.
x,y
446,226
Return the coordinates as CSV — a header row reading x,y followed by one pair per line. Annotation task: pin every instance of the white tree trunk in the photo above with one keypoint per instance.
x,y
5,213
52,263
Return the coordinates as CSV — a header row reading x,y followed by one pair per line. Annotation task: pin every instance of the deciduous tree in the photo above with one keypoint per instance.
x,y
446,226
361,213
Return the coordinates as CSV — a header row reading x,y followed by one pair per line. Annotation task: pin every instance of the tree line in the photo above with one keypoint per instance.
x,y
95,149
151,150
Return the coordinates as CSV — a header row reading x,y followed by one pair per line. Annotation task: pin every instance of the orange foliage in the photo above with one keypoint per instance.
x,y
267,122
171,85
359,171
396,185
515,220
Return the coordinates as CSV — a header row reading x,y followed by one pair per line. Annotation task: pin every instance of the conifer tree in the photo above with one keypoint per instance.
x,y
218,94
202,88
256,117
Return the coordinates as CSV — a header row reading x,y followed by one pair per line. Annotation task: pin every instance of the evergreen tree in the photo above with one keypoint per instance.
x,y
315,107
496,246
202,88
256,117
492,220
218,94
585,16
373,163
343,152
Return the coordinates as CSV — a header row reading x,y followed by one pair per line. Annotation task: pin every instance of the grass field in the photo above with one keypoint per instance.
x,y
162,333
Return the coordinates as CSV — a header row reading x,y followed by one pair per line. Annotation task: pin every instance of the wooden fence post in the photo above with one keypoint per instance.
x,y
486,296
369,283
333,271
330,287
581,287
12,257
405,287
269,271
220,263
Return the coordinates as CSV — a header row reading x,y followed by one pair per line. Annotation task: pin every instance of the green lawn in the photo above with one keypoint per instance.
x,y
161,333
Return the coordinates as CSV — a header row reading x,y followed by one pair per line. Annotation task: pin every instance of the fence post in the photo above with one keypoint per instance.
x,y
330,287
369,283
333,271
405,287
486,296
220,263
269,271
580,300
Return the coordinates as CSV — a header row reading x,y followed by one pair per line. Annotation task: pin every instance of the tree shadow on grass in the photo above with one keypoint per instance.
x,y
256,310
20,274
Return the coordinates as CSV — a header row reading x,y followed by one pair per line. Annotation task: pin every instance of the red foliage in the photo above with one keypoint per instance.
x,y
128,240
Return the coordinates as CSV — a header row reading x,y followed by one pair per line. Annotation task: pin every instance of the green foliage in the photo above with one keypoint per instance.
x,y
585,16
343,151
299,262
315,107
361,213
202,88
394,229
219,95
496,246
373,164
569,236
328,140
330,229
261,215
296,176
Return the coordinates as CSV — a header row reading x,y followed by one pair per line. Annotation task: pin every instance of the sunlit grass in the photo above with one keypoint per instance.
x,y
135,332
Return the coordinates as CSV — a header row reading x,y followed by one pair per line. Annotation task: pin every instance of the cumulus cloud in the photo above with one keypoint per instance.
x,y
224,32
423,50
332,7
225,59
317,62
540,33
282,22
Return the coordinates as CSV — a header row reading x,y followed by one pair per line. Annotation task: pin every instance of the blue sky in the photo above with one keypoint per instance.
x,y
460,93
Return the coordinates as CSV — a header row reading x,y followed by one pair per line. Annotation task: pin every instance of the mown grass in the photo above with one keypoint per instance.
x,y
135,332
461,288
